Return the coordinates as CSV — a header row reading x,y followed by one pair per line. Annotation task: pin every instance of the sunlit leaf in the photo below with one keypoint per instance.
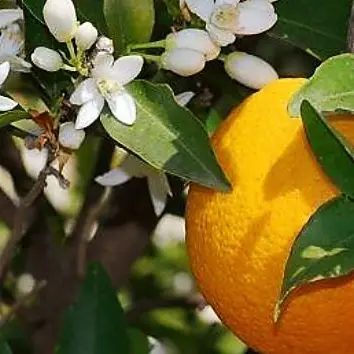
x,y
129,21
12,116
330,88
324,248
167,136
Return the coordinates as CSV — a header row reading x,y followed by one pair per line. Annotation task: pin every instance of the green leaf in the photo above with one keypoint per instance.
x,y
96,323
4,348
333,152
167,136
320,28
138,341
330,88
92,11
324,248
37,34
129,21
12,116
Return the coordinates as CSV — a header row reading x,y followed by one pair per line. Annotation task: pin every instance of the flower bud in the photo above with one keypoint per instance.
x,y
86,36
249,70
69,137
47,59
25,284
184,62
105,44
60,18
195,39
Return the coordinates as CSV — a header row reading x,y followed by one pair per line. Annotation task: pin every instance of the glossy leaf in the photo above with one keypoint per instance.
x,y
318,28
37,34
96,323
167,136
324,248
332,150
12,116
330,88
129,21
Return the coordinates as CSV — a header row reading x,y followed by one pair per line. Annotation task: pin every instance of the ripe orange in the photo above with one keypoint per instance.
x,y
239,242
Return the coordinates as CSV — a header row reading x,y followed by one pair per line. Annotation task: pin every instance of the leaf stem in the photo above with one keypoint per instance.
x,y
156,44
149,57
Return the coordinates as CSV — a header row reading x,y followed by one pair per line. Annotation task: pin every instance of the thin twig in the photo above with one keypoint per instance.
x,y
196,302
22,301
350,33
21,216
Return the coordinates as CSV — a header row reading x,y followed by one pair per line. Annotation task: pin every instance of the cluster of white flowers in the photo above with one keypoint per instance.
x,y
188,50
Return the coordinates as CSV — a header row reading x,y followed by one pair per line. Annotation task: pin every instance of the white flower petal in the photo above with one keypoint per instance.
x,y
202,8
85,92
4,71
86,36
249,70
220,36
158,191
114,177
255,16
226,2
89,112
6,104
135,167
127,68
60,18
183,61
184,97
7,16
122,106
69,137
47,59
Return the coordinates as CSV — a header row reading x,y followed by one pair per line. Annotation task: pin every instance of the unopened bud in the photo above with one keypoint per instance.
x,y
249,70
60,18
25,284
196,39
69,137
105,44
47,59
184,62
86,36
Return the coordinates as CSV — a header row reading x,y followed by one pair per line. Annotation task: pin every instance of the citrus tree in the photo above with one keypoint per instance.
x,y
108,112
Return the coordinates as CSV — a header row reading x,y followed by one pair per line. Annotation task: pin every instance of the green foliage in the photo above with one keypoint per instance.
x,y
96,323
324,248
318,28
129,21
167,136
330,88
11,116
333,152
4,348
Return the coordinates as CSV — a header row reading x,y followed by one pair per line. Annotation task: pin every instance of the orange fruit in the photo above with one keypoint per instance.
x,y
238,242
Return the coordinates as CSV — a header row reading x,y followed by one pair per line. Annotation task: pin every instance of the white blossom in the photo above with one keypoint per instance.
x,y
107,81
60,18
69,137
183,98
47,59
158,184
11,47
6,103
9,16
196,39
227,18
25,284
105,44
86,36
183,61
249,70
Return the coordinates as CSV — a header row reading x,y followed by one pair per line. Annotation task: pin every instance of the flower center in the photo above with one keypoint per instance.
x,y
108,87
224,16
